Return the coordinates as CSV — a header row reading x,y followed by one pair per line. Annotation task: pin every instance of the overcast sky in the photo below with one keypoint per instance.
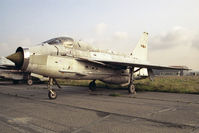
x,y
173,25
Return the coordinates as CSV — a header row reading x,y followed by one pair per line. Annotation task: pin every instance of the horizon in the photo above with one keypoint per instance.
x,y
115,25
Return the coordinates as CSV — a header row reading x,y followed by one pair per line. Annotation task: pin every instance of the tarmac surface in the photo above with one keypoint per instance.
x,y
27,109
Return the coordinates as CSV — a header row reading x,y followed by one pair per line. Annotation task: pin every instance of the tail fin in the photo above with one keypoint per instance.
x,y
141,49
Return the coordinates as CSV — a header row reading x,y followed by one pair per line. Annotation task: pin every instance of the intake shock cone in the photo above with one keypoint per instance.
x,y
17,58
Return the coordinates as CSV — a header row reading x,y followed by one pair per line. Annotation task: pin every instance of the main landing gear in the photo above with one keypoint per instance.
x,y
51,92
131,87
92,85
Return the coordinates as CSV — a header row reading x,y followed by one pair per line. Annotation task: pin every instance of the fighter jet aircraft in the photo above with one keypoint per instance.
x,y
66,58
8,71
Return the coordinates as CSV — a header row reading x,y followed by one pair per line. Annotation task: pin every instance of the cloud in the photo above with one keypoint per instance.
x,y
177,36
9,47
121,35
6,49
179,46
195,42
25,42
101,28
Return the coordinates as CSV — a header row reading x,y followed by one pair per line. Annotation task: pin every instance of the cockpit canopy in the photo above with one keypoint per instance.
x,y
70,43
66,41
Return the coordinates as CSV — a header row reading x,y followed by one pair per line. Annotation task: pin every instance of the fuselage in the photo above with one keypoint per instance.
x,y
61,58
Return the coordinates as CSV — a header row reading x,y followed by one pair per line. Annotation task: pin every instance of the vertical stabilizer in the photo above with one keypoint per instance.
x,y
141,49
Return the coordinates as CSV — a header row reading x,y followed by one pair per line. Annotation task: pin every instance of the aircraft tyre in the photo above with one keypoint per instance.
x,y
29,82
52,94
92,86
131,89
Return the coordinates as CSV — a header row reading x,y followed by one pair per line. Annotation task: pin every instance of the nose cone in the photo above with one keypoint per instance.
x,y
17,58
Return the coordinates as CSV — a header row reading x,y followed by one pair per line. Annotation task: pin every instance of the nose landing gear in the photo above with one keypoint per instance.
x,y
51,92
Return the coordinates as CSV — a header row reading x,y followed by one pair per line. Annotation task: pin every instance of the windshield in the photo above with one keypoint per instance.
x,y
60,40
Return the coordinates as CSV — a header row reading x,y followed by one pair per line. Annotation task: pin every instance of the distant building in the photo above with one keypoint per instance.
x,y
192,73
171,72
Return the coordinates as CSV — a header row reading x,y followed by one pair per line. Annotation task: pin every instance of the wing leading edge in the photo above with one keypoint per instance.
x,y
126,64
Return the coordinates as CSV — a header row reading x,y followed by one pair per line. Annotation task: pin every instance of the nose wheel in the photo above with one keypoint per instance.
x,y
52,94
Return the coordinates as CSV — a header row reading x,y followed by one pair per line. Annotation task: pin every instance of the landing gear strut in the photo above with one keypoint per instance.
x,y
51,93
131,88
92,85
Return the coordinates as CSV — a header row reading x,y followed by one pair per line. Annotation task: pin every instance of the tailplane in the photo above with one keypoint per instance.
x,y
141,49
